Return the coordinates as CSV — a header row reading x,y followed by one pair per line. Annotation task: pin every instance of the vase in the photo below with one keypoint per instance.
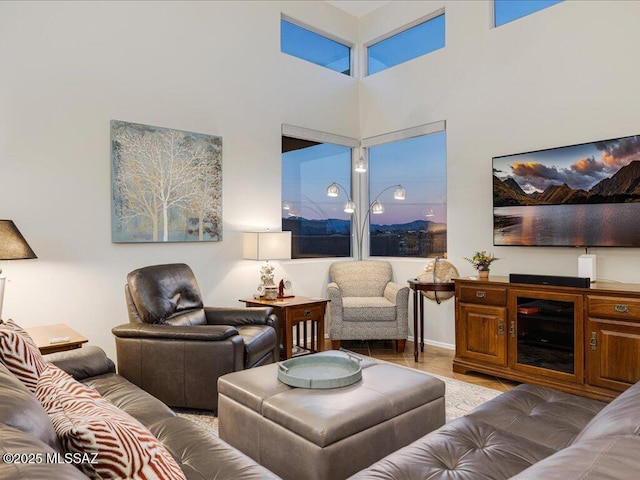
x,y
483,274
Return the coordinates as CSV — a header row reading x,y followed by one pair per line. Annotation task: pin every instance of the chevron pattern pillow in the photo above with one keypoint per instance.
x,y
112,443
20,354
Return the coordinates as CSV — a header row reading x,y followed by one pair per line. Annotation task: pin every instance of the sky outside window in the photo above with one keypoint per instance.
x,y
318,224
315,48
506,11
419,165
406,45
417,225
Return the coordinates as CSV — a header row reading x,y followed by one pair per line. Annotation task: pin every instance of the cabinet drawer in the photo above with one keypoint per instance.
x,y
483,295
613,307
301,313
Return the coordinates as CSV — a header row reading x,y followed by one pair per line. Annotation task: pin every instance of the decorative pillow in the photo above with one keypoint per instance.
x,y
112,444
20,354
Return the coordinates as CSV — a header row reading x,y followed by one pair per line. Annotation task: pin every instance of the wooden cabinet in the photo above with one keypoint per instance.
x,y
481,334
612,336
480,325
580,340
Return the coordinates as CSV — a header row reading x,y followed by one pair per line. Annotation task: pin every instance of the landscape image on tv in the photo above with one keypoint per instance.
x,y
585,195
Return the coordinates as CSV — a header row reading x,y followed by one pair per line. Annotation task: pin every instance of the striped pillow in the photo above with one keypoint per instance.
x,y
20,354
87,423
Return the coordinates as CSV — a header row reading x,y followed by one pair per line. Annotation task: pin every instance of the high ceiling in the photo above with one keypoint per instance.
x,y
358,8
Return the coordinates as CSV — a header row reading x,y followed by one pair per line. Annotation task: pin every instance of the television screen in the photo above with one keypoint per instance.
x,y
585,195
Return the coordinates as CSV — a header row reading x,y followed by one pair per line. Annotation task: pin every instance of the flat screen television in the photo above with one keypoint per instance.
x,y
585,195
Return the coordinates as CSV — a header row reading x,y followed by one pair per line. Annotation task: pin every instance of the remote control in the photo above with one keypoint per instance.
x,y
58,339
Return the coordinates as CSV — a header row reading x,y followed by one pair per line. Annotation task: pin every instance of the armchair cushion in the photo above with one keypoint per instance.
x,y
361,279
166,294
368,309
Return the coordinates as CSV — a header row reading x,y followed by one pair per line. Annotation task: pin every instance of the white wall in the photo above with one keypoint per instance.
x,y
562,76
68,68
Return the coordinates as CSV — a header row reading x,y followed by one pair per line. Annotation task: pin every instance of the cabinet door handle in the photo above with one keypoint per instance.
x,y
500,327
307,313
621,308
512,329
594,341
481,294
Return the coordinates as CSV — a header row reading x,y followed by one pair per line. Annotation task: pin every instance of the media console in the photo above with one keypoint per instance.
x,y
582,340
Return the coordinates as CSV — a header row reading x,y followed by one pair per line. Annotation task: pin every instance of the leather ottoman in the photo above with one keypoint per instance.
x,y
301,433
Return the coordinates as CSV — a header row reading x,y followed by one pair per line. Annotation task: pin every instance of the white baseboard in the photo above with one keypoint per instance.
x,y
433,343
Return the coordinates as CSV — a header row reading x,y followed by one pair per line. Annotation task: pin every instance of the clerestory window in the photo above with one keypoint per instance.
x,y
410,43
314,47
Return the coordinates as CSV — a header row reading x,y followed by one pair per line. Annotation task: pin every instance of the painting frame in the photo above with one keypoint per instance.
x,y
166,185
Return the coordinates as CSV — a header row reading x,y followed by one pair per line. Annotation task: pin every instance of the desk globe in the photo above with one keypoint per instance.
x,y
438,271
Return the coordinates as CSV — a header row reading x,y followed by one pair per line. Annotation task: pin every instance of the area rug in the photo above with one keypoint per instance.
x,y
460,398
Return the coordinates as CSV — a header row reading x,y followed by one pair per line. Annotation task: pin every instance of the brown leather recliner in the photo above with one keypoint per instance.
x,y
175,348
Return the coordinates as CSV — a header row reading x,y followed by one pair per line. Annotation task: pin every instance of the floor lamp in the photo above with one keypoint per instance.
x,y
375,208
13,246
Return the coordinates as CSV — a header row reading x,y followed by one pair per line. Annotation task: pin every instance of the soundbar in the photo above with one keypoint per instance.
x,y
558,281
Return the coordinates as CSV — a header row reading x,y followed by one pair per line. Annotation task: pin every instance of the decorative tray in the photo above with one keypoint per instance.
x,y
320,371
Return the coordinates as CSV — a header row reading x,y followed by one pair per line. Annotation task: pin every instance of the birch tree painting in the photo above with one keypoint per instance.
x,y
166,184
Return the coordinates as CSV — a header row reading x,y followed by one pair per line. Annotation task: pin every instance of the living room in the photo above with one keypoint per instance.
x,y
562,76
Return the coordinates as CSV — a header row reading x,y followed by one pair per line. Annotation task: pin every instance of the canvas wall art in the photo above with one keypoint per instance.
x,y
166,185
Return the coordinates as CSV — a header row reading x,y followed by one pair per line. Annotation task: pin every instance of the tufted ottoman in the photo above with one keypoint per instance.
x,y
329,434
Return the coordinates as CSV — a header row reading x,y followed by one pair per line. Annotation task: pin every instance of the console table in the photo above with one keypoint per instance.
x,y
299,316
584,341
418,298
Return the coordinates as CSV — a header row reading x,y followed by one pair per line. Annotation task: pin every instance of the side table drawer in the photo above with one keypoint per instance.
x,y
613,307
483,295
302,313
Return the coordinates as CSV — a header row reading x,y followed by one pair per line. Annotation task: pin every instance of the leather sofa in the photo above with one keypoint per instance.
x,y
527,433
25,427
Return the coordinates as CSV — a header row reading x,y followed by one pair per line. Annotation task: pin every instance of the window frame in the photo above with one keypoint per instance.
x,y
329,36
335,139
364,186
397,31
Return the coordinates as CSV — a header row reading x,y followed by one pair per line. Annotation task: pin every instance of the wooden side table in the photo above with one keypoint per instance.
x,y
301,318
418,287
55,338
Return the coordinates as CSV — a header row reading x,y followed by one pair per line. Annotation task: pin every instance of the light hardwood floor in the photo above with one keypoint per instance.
x,y
436,360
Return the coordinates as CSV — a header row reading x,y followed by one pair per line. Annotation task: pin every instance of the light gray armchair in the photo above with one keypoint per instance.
x,y
366,304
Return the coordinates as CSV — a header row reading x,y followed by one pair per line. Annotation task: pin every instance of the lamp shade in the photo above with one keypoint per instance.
x,y
266,245
13,246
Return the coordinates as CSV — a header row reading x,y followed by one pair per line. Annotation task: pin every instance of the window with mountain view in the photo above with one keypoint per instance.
x,y
417,225
319,227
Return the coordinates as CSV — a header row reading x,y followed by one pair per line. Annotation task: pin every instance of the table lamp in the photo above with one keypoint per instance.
x,y
13,246
267,246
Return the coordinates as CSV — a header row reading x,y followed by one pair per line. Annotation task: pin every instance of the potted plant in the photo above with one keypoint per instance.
x,y
482,261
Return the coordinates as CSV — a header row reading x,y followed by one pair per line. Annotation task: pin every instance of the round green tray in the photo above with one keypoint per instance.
x,y
320,371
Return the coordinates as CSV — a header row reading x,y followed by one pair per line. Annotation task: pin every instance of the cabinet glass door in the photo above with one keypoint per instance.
x,y
545,334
